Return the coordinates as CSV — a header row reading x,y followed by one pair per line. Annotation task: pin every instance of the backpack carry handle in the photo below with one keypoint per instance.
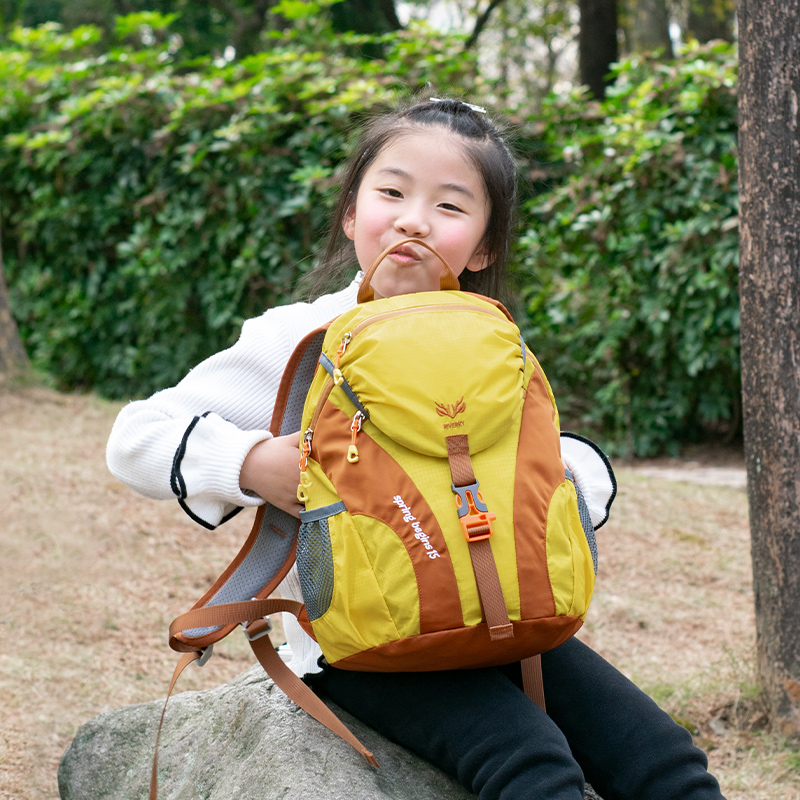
x,y
447,280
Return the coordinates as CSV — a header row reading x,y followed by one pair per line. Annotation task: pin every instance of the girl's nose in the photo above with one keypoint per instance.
x,y
412,224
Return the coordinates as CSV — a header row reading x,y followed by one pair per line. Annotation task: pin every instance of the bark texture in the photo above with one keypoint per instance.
x,y
12,354
597,43
769,141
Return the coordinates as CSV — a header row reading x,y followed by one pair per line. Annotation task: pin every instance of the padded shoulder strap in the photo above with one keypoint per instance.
x,y
295,383
254,612
269,552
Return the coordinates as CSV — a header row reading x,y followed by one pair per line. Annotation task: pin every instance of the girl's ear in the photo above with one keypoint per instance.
x,y
479,259
349,222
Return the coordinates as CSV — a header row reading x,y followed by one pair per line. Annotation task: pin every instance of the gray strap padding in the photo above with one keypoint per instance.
x,y
269,552
278,530
301,382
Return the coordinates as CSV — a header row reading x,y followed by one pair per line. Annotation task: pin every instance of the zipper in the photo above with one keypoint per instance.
x,y
305,480
355,427
323,398
337,373
400,312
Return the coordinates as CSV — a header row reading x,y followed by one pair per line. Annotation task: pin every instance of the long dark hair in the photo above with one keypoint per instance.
x,y
490,154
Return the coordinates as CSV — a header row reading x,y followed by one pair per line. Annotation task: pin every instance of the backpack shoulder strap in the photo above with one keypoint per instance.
x,y
254,611
269,552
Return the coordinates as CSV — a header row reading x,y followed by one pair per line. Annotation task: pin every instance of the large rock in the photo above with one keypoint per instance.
x,y
242,741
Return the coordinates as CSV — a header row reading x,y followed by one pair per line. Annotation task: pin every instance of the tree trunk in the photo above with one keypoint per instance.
x,y
711,19
769,142
648,21
597,43
12,354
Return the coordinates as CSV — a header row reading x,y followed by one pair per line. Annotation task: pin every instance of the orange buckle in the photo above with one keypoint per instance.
x,y
480,520
474,516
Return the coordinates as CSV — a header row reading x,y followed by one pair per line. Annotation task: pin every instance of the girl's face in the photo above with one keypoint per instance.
x,y
422,184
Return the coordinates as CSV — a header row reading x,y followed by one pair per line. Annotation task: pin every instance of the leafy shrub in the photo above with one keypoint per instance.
x,y
630,265
149,207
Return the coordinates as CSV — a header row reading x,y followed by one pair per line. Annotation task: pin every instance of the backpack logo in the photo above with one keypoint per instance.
x,y
444,410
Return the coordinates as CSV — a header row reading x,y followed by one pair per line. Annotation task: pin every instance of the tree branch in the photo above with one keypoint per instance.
x,y
480,23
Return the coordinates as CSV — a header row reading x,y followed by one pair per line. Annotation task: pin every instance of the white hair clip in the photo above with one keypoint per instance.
x,y
478,109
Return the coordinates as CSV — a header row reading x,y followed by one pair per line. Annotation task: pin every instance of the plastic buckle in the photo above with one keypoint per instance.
x,y
252,637
473,512
205,654
468,499
481,520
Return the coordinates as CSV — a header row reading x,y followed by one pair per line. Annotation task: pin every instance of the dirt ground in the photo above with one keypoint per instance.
x,y
91,575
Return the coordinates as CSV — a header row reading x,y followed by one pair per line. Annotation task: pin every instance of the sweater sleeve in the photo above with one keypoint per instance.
x,y
189,441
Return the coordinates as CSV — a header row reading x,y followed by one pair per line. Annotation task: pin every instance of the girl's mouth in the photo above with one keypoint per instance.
x,y
405,255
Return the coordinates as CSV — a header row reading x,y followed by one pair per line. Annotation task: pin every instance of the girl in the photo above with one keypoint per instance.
x,y
440,171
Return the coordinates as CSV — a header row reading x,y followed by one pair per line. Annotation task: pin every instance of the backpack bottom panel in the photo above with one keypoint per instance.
x,y
463,648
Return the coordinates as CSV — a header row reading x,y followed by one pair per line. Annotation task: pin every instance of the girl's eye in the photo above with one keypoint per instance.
x,y
391,192
450,207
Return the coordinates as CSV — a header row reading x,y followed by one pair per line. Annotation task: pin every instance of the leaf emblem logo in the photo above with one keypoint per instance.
x,y
445,410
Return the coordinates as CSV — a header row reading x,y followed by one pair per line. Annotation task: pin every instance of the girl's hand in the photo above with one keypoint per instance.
x,y
272,470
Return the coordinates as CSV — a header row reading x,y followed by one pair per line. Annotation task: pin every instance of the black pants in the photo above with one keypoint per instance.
x,y
478,726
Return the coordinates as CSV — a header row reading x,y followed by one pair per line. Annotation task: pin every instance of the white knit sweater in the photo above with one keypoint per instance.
x,y
190,440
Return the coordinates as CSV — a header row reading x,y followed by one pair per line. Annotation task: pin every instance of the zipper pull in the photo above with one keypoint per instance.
x,y
305,479
355,427
337,373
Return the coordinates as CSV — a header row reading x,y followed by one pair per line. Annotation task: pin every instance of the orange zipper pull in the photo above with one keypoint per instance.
x,y
337,373
355,427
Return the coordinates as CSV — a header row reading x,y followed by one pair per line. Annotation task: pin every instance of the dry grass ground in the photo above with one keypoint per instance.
x,y
91,575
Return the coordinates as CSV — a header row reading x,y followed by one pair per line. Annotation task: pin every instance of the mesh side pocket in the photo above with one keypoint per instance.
x,y
588,528
315,566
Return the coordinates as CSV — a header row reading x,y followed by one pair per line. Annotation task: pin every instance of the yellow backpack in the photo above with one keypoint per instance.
x,y
440,529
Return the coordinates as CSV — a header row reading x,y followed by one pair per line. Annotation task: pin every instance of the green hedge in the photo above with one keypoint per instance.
x,y
630,265
149,206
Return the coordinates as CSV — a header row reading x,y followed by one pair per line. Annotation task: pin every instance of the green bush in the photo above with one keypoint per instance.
x,y
630,264
149,207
